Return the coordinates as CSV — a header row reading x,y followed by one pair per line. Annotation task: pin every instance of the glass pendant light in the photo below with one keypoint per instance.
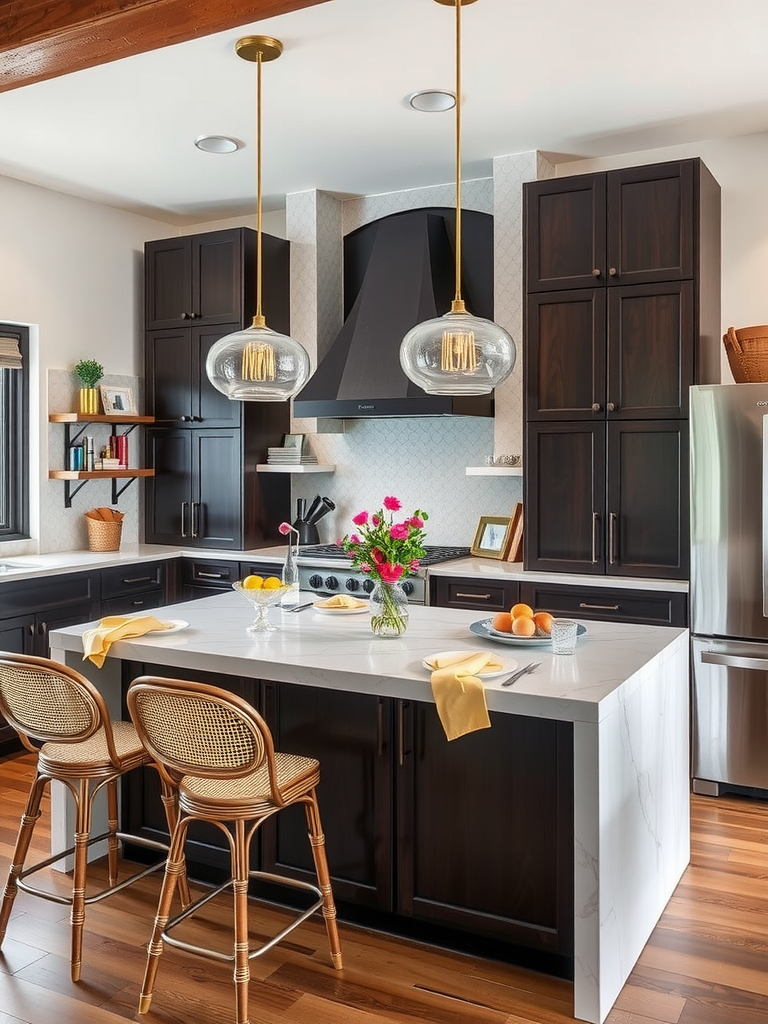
x,y
257,364
457,354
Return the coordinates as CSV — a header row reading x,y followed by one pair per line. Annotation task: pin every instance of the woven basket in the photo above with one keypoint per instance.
x,y
104,536
747,351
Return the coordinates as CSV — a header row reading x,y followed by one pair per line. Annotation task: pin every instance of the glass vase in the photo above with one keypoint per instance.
x,y
389,609
290,577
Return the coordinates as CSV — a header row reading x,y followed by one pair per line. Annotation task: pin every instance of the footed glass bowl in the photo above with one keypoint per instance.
x,y
261,599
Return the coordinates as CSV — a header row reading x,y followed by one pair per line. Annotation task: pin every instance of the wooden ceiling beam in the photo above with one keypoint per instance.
x,y
41,39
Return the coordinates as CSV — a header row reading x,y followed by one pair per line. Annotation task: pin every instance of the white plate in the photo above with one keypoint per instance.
x,y
341,611
175,624
484,629
509,666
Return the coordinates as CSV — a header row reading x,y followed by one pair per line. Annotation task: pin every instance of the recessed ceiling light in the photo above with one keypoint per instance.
x,y
216,144
432,100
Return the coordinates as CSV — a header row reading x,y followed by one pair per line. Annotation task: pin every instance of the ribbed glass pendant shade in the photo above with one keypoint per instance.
x,y
257,365
457,354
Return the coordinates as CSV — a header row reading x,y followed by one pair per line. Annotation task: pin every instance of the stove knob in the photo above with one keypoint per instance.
x,y
315,581
368,586
408,587
352,584
331,583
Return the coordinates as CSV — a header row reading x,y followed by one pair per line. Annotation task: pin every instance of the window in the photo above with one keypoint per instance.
x,y
14,440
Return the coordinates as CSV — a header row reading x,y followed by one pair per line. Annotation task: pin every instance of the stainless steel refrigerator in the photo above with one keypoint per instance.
x,y
729,585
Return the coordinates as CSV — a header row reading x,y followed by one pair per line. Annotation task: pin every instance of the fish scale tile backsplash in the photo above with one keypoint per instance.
x,y
421,461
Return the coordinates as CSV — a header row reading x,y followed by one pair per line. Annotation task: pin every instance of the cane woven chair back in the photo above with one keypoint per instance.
x,y
47,702
200,730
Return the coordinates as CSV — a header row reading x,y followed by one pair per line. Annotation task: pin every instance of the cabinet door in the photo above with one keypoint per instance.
x,y
178,389
216,488
565,497
650,223
168,282
606,605
217,276
349,733
565,355
484,595
565,232
501,800
168,494
650,350
648,531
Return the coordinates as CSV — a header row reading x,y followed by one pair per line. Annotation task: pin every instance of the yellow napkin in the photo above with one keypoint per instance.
x,y
459,694
97,641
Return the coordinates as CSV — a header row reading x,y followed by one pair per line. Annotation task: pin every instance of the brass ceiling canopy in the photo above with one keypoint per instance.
x,y
266,48
457,354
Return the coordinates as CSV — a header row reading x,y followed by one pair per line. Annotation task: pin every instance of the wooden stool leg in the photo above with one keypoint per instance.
x,y
173,868
242,973
26,827
317,842
112,825
170,800
77,913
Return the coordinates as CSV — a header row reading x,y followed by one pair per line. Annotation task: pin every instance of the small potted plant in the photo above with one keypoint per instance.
x,y
89,373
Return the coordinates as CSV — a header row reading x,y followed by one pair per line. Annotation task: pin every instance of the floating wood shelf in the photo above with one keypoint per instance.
x,y
81,417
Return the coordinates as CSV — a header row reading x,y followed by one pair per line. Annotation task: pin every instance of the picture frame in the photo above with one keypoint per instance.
x,y
515,549
491,537
117,401
294,441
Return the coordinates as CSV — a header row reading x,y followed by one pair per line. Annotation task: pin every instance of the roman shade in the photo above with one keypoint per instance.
x,y
10,355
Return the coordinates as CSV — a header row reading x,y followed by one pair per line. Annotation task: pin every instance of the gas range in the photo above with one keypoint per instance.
x,y
327,567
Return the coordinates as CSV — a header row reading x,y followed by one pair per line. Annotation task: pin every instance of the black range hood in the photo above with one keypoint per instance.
x,y
399,271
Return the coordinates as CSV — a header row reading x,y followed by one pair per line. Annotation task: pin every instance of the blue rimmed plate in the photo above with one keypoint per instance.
x,y
484,629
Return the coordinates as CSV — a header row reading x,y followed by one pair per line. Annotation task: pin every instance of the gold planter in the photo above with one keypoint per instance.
x,y
89,401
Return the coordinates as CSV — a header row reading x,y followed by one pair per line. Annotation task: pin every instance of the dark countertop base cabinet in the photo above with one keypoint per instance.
x,y
466,844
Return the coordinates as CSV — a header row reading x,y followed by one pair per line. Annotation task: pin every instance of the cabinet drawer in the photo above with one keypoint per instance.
x,y
643,606
124,580
134,603
495,595
201,572
73,590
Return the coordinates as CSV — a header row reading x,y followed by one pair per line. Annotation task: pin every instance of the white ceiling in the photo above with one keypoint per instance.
x,y
589,78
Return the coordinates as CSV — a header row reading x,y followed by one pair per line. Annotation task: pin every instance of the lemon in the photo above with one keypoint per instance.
x,y
272,583
253,583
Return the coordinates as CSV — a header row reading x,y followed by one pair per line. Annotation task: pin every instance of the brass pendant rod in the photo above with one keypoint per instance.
x,y
258,317
458,151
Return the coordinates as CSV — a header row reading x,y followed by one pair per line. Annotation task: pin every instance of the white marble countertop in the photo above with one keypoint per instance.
x,y
56,563
339,651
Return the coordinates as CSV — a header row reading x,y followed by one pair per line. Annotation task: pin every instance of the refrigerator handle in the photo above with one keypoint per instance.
x,y
734,661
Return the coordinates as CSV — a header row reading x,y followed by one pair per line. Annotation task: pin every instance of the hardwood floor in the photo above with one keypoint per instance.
x,y
706,962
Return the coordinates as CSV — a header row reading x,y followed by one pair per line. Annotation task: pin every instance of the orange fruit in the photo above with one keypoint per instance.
x,y
253,582
521,609
523,625
502,622
272,583
543,622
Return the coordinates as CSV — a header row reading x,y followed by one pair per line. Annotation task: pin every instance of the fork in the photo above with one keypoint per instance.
x,y
521,672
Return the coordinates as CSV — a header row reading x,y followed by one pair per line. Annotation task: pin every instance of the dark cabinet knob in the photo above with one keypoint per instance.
x,y
613,272
611,407
596,272
596,407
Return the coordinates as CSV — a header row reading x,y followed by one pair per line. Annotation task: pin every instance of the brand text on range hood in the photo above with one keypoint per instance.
x,y
399,271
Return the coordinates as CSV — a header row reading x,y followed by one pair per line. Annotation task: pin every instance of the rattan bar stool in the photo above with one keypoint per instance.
x,y
60,716
218,750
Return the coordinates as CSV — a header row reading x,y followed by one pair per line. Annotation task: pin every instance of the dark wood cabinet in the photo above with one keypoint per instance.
x,y
204,448
197,494
200,278
501,800
135,588
608,498
629,226
464,592
654,607
621,318
625,353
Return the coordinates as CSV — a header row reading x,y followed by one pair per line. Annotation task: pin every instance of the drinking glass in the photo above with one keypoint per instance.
x,y
563,636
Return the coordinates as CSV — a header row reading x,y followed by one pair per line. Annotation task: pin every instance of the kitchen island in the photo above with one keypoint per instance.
x,y
624,695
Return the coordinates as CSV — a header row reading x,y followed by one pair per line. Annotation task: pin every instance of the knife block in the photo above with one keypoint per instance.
x,y
307,532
